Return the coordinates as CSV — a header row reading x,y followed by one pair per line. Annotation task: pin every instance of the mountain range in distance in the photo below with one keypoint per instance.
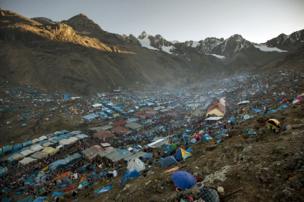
x,y
77,55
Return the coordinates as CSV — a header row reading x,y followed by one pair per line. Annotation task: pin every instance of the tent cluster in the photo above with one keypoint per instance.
x,y
40,148
180,155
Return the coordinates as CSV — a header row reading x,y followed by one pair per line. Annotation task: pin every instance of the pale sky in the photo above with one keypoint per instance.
x,y
255,20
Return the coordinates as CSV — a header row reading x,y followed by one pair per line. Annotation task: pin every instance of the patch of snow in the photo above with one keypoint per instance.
x,y
175,41
218,56
167,49
192,44
195,44
146,43
265,48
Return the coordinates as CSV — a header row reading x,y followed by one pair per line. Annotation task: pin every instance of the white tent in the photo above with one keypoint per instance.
x,y
136,164
27,160
81,136
17,156
41,138
68,141
35,140
244,102
27,152
213,118
36,147
96,105
158,143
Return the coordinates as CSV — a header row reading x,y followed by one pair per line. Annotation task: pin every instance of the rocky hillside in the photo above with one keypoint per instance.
x,y
77,55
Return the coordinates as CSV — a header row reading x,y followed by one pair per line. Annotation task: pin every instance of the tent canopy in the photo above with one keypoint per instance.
x,y
274,122
167,162
182,154
91,152
183,180
27,160
136,164
213,118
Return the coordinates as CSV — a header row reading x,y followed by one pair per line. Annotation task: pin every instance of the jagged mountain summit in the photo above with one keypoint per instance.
x,y
78,55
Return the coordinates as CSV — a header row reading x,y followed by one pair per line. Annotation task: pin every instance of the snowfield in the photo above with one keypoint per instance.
x,y
167,49
218,56
265,48
146,43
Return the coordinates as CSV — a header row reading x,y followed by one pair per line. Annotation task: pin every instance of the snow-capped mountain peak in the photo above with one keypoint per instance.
x,y
156,42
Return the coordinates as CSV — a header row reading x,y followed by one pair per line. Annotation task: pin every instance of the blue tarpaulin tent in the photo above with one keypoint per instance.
x,y
167,162
7,148
207,138
90,117
257,110
57,194
65,161
27,143
183,180
282,107
128,176
232,120
66,96
147,156
104,189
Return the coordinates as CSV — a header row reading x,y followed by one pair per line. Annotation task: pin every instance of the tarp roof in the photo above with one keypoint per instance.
x,y
15,157
117,154
134,126
92,151
62,162
36,147
213,118
244,102
105,144
49,150
103,134
120,130
81,136
68,141
26,152
39,155
158,143
27,160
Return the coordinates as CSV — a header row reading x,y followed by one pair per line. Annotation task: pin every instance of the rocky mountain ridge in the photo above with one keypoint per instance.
x,y
78,55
